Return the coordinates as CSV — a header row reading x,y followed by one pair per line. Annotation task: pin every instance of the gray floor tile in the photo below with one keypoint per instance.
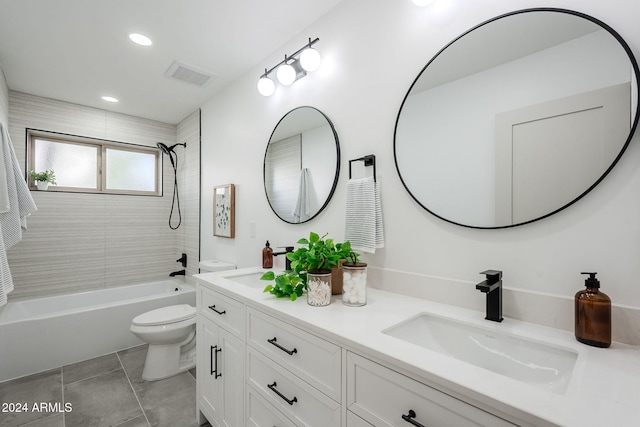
x,y
34,389
90,368
169,402
136,422
105,400
51,421
132,361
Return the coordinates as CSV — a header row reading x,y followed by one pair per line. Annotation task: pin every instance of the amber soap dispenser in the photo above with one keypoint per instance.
x,y
267,256
593,314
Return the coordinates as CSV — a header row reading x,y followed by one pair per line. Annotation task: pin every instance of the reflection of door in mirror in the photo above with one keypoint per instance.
x,y
548,153
445,143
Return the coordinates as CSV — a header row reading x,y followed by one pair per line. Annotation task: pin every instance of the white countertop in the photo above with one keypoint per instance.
x,y
604,389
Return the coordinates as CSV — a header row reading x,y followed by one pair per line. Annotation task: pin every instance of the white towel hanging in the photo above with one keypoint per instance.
x,y
363,222
20,204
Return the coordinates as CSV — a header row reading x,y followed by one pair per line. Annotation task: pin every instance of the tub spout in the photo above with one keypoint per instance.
x,y
177,273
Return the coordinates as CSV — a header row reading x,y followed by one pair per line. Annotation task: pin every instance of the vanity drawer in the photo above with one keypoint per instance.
x,y
311,358
384,397
224,311
299,401
262,413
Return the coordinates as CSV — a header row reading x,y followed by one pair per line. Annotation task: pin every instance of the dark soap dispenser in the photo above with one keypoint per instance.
x,y
267,256
593,314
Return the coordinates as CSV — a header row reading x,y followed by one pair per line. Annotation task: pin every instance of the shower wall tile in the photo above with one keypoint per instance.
x,y
4,99
189,186
136,130
78,242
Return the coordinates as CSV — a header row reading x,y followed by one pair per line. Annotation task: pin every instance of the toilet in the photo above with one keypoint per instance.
x,y
170,333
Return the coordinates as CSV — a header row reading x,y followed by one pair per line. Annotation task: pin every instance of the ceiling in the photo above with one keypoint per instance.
x,y
78,50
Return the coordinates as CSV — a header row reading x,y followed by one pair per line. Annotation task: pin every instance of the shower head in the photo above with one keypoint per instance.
x,y
163,147
169,150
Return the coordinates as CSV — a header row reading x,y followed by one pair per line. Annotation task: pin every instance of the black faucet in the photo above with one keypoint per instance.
x,y
287,249
177,273
493,288
183,260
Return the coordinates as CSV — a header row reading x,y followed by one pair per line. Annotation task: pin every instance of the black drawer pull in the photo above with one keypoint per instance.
x,y
214,355
410,418
213,307
289,352
273,388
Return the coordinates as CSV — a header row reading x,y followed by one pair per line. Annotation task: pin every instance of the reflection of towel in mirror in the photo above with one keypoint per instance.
x,y
302,210
363,222
16,204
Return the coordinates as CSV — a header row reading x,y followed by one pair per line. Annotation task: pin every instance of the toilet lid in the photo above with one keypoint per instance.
x,y
164,315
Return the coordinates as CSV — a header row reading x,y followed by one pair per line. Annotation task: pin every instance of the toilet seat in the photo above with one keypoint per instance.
x,y
165,315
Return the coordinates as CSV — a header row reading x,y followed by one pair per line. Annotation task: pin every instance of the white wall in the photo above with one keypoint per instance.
x,y
372,52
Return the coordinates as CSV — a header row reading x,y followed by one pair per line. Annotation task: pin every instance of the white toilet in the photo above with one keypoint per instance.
x,y
171,334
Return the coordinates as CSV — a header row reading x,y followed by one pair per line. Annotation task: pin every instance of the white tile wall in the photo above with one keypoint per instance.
x,y
79,242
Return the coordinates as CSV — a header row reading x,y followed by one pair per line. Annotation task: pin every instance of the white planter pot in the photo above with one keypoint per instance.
x,y
42,186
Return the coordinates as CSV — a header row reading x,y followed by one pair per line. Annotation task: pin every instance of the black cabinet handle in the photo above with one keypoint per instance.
x,y
273,388
289,352
410,418
213,307
214,356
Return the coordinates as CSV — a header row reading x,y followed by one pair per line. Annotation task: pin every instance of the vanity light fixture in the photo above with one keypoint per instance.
x,y
292,68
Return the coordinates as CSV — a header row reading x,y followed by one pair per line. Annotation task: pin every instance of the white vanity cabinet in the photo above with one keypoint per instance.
x,y
299,373
220,358
383,397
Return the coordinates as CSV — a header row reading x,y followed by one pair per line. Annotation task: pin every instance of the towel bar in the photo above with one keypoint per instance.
x,y
369,160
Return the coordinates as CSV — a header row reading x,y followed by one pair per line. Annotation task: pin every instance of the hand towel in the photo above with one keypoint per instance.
x,y
363,222
21,205
302,210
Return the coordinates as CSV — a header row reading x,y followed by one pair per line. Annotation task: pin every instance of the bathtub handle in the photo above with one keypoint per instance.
x,y
213,307
214,356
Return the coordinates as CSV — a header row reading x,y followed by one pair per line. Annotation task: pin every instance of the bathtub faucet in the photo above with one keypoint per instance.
x,y
177,273
183,260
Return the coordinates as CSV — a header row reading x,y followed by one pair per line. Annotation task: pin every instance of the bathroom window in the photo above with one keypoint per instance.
x,y
94,166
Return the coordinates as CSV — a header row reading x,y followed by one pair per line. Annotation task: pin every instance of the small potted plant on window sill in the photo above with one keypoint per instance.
x,y
43,179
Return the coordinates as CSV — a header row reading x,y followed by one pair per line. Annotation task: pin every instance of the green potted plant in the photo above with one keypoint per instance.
x,y
312,261
43,179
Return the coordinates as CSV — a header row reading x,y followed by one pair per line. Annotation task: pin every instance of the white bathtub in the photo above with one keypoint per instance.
x,y
45,333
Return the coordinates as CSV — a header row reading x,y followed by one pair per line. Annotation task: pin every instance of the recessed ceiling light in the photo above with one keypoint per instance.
x,y
140,39
110,99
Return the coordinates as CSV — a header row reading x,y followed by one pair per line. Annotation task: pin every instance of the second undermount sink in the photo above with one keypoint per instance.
x,y
542,365
251,280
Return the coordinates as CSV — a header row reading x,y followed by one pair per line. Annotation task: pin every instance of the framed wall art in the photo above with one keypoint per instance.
x,y
224,202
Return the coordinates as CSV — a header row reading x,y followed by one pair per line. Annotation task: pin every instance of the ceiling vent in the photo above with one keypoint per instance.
x,y
188,73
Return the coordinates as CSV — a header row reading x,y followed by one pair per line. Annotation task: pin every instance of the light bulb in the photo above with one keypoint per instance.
x,y
310,59
422,3
286,74
266,86
140,39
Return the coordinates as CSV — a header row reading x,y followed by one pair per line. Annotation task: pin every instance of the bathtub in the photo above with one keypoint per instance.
x,y
44,333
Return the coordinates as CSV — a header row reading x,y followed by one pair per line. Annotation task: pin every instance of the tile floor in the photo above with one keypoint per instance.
x,y
100,392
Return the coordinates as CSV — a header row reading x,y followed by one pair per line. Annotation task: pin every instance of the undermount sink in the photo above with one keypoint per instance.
x,y
251,280
535,363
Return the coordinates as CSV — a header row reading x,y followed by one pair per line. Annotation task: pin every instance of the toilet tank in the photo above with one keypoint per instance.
x,y
215,265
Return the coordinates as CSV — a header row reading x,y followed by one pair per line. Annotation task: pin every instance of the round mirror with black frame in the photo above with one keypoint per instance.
x,y
517,118
301,165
